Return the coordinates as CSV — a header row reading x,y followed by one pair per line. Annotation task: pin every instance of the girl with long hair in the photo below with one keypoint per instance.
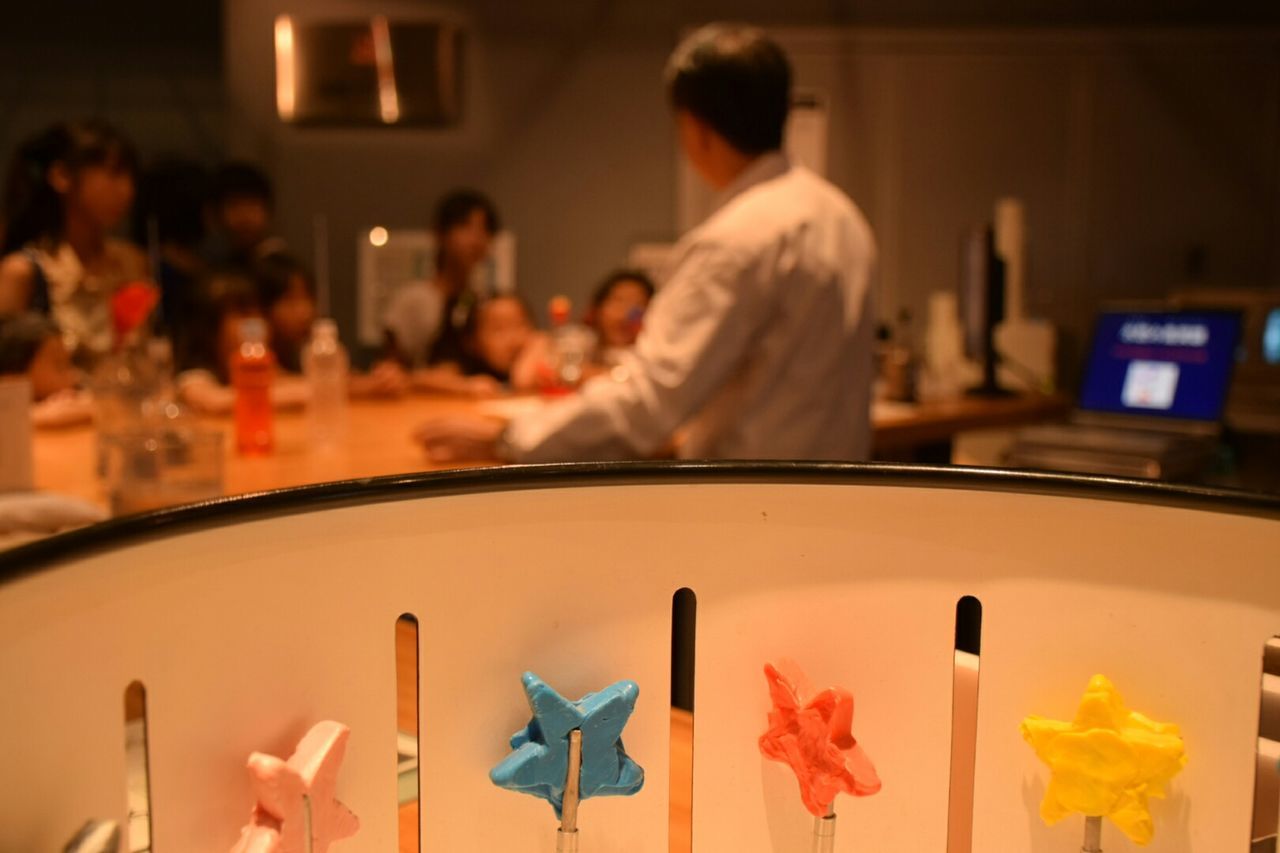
x,y
68,189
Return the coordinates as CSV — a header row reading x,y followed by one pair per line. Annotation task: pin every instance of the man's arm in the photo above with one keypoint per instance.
x,y
696,337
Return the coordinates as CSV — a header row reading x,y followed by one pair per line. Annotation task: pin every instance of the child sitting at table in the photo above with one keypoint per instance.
x,y
31,346
287,295
617,312
499,350
225,301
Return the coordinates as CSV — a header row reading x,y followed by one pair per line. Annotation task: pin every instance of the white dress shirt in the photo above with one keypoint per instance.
x,y
758,347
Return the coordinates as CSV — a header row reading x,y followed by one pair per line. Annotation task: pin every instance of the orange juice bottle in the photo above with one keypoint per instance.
x,y
253,368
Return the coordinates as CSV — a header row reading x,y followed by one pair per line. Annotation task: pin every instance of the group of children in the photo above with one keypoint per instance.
x,y
216,263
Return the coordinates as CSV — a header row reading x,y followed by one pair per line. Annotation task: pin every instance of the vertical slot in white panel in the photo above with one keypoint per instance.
x,y
684,615
408,773
964,724
137,768
1266,782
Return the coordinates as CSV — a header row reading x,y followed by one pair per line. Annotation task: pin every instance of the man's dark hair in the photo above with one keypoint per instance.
x,y
456,208
239,179
737,80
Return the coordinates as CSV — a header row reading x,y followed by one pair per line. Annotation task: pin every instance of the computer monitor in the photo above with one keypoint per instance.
x,y
1164,364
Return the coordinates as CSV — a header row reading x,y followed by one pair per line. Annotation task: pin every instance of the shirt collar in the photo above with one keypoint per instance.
x,y
766,167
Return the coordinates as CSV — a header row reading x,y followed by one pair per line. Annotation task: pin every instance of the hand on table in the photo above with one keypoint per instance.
x,y
387,379
461,437
290,393
66,408
448,378
482,387
200,390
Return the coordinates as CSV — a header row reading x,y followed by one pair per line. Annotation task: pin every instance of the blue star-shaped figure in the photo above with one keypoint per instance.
x,y
539,762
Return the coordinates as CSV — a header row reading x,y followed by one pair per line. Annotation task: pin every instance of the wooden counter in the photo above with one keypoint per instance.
x,y
380,441
905,428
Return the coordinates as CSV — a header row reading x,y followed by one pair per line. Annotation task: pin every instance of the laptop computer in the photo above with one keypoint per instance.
x,y
1151,402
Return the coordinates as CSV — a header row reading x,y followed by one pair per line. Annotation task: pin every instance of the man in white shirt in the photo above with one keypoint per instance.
x,y
759,346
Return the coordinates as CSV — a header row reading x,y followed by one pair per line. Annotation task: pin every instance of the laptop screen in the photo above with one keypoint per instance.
x,y
1174,364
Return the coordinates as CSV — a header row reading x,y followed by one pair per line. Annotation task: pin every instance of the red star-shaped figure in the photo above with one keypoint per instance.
x,y
814,735
287,789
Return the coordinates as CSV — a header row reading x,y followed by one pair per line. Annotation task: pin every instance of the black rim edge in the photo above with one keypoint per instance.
x,y
45,553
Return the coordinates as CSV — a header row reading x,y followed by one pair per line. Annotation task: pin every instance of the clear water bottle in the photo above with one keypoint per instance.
x,y
326,364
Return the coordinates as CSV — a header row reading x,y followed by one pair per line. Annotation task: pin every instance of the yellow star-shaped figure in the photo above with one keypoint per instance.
x,y
1106,762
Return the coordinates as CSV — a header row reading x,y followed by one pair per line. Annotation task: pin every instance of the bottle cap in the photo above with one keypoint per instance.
x,y
325,327
560,308
253,330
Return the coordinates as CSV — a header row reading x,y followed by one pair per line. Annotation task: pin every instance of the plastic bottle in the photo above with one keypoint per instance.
x,y
571,344
325,364
252,371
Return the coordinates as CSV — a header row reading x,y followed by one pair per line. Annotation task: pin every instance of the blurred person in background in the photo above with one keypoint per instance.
x,y
242,209
222,301
225,299
425,321
68,190
279,290
286,292
617,313
31,346
500,351
172,210
426,317
759,344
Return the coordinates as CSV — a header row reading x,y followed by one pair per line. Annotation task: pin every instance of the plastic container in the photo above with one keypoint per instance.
x,y
253,368
326,364
571,345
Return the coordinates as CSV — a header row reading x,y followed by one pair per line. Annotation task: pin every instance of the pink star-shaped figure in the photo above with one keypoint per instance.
x,y
287,789
813,733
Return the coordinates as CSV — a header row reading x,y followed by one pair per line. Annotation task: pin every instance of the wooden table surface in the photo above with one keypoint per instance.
x,y
379,440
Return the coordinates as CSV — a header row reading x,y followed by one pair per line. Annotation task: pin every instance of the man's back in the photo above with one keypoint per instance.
x,y
803,255
759,345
